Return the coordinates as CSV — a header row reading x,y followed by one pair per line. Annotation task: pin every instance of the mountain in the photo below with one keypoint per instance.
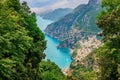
x,y
56,14
80,23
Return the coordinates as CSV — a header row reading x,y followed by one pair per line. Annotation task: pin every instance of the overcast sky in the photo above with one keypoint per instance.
x,y
39,6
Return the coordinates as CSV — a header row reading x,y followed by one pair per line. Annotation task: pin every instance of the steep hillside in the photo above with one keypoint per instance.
x,y
78,24
56,14
84,63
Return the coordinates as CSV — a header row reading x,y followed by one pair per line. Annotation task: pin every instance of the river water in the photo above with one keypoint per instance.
x,y
60,56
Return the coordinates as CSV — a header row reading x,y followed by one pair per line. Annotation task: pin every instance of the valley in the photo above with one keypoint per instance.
x,y
59,39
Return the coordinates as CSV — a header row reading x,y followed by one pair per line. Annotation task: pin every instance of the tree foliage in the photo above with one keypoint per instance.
x,y
50,71
109,19
22,43
80,72
108,61
109,54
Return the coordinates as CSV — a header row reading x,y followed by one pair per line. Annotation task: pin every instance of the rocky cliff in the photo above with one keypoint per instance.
x,y
78,24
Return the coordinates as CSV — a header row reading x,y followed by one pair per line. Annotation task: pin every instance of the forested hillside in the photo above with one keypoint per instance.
x,y
22,45
102,63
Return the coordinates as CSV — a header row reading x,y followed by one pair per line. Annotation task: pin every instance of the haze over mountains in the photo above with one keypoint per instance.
x,y
40,6
55,14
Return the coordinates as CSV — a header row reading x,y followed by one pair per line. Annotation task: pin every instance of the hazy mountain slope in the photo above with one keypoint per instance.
x,y
56,14
76,25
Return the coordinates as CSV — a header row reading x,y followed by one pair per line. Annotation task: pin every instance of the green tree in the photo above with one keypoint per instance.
x,y
108,61
109,19
109,54
80,72
22,45
50,71
14,43
39,44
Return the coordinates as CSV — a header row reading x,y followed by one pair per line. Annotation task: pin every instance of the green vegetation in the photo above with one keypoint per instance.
x,y
22,45
109,54
107,57
86,71
82,73
108,61
87,22
50,71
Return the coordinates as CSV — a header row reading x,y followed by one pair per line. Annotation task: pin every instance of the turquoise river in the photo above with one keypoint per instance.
x,y
60,56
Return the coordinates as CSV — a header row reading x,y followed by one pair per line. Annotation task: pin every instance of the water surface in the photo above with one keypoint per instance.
x,y
60,56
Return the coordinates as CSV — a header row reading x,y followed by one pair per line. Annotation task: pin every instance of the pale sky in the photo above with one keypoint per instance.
x,y
40,6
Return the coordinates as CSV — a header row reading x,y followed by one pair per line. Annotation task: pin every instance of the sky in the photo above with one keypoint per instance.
x,y
40,6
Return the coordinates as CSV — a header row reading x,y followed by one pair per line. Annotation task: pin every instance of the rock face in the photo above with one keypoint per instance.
x,y
76,25
56,14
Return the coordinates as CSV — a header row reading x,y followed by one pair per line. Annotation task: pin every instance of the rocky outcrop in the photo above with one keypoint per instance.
x,y
79,23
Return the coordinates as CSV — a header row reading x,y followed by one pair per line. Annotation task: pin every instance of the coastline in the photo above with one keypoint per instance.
x,y
81,52
67,70
61,57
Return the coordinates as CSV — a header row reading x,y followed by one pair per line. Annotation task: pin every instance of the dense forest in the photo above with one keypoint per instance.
x,y
109,54
22,46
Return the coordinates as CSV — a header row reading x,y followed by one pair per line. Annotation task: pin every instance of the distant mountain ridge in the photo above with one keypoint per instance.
x,y
56,14
81,22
